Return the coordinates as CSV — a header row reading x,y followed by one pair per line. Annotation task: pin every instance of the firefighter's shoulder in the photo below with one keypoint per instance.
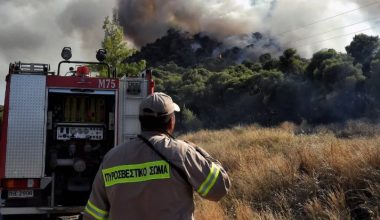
x,y
119,151
174,149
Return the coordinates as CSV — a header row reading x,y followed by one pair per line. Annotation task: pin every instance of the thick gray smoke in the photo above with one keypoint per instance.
x,y
231,21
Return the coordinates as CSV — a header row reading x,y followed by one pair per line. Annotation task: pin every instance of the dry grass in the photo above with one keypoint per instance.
x,y
277,174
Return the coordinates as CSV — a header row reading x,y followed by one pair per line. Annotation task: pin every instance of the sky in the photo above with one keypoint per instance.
x,y
37,30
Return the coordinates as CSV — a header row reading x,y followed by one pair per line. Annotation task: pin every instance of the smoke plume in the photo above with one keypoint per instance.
x,y
289,22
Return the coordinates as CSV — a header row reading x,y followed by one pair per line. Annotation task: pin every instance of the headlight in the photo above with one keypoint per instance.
x,y
101,55
66,53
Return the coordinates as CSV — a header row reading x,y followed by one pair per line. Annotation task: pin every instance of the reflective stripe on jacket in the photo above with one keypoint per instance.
x,y
133,182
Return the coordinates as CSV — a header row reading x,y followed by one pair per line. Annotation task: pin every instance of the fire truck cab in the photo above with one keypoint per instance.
x,y
56,129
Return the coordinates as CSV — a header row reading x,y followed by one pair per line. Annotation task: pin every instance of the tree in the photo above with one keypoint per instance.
x,y
254,67
316,63
117,49
373,88
291,63
363,49
188,120
267,62
337,82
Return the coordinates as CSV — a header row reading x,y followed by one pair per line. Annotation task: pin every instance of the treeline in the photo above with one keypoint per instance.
x,y
329,87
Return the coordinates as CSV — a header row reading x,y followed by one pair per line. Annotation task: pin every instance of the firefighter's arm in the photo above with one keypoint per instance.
x,y
206,174
97,205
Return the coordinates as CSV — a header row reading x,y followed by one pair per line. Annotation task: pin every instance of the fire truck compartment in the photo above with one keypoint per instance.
x,y
26,127
80,130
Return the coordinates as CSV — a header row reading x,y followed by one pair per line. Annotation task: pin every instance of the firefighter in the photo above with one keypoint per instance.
x,y
154,175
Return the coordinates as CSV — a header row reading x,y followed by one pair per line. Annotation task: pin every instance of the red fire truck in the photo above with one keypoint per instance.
x,y
56,129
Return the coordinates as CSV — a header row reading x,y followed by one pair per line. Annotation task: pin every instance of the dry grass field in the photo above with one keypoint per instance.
x,y
292,172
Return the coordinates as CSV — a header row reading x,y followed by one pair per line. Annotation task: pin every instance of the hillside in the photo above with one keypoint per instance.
x,y
288,173
329,87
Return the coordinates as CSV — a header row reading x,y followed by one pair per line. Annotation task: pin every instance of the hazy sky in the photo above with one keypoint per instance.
x,y
37,30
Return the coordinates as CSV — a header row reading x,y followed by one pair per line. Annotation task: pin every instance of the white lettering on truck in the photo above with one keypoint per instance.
x,y
107,84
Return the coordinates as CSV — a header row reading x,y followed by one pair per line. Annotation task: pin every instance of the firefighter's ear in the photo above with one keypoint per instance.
x,y
171,124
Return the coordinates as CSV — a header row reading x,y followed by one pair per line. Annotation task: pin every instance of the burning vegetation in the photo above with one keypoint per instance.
x,y
187,50
242,62
221,87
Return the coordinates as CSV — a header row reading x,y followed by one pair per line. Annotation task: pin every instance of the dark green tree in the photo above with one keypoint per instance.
x,y
316,63
291,62
363,48
268,62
